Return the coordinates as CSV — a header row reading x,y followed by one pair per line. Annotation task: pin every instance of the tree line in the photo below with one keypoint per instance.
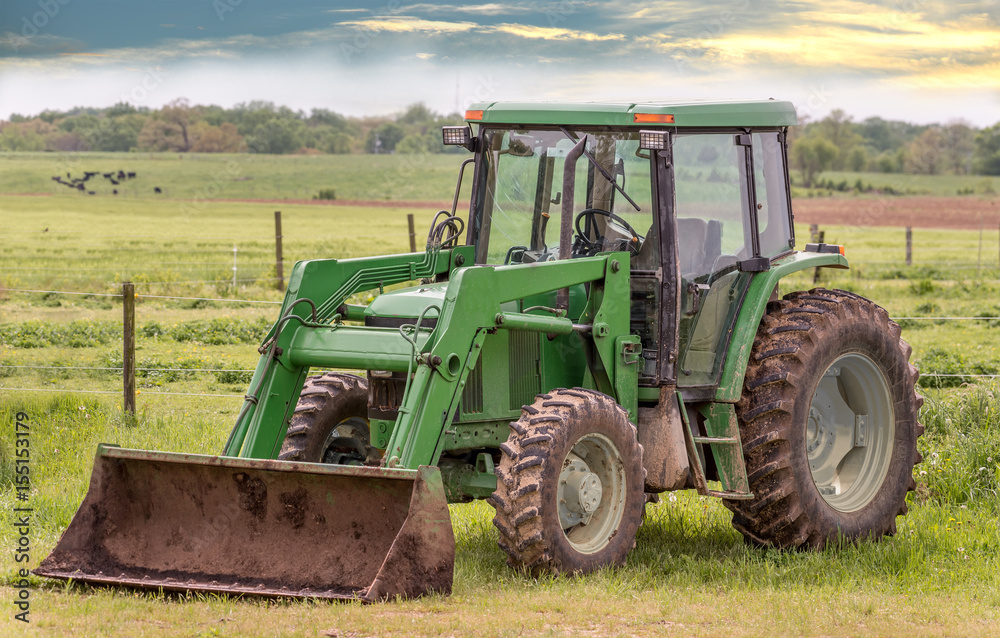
x,y
877,145
835,142
259,126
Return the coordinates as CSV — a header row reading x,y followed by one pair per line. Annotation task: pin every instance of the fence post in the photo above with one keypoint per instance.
x,y
278,264
128,347
820,238
413,233
909,246
234,268
813,232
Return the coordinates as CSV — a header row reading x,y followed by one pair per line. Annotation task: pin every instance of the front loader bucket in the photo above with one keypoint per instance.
x,y
270,528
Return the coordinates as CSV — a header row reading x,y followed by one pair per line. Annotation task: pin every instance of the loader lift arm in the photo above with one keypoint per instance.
x,y
440,360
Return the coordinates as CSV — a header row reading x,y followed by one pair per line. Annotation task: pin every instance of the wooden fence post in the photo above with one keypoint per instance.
x,y
278,265
909,246
413,233
819,239
813,233
128,346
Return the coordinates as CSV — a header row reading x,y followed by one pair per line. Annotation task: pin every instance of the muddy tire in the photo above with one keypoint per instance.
x,y
569,495
828,420
330,422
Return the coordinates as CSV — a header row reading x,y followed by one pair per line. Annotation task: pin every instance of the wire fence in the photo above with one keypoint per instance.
x,y
152,372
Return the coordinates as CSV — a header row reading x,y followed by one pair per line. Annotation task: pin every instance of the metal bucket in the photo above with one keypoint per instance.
x,y
191,522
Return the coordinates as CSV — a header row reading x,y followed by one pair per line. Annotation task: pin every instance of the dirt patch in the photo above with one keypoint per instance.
x,y
921,212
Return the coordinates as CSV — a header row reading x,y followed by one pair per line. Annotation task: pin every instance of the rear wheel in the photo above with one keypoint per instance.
x,y
330,422
828,421
569,495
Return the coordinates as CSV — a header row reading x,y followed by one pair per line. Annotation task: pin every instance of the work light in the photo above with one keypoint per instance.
x,y
653,140
458,136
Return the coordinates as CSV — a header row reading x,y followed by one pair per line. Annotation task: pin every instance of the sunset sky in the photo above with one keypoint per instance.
x,y
920,61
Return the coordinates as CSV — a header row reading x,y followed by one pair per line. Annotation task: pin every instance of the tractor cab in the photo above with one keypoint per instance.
x,y
698,202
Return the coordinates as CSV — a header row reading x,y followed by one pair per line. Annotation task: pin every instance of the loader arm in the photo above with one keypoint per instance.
x,y
439,360
323,284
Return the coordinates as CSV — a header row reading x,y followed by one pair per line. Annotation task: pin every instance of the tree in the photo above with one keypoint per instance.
x,y
278,135
414,144
986,156
838,129
959,142
160,135
383,139
814,155
216,139
857,159
925,155
180,115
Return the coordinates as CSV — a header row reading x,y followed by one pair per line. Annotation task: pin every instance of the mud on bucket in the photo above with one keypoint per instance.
x,y
273,528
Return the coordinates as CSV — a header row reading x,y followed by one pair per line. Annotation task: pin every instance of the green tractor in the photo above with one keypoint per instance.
x,y
605,327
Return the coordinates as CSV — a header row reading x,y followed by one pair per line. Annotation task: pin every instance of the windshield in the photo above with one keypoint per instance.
x,y
520,202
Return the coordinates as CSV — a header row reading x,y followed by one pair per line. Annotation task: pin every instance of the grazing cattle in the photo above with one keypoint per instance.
x,y
80,187
90,192
131,174
157,189
57,178
68,175
114,181
121,174
107,175
114,192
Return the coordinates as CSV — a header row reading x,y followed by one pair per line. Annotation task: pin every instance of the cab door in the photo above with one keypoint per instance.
x,y
731,216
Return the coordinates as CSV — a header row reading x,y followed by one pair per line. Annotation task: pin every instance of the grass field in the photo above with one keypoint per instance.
x,y
690,573
185,177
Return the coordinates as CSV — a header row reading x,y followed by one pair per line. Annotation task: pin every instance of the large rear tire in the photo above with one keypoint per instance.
x,y
330,422
828,421
569,495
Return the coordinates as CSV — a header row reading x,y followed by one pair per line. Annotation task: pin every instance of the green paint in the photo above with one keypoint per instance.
x,y
687,113
731,385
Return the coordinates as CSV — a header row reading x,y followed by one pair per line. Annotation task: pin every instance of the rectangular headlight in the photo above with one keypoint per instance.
x,y
653,140
457,136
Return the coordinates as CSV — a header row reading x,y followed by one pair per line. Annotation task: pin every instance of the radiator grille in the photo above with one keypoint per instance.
x,y
525,381
472,396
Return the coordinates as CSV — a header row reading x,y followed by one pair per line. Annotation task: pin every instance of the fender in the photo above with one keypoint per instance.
x,y
755,303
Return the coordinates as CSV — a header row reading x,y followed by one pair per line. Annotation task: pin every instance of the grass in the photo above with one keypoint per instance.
x,y
902,184
190,176
690,572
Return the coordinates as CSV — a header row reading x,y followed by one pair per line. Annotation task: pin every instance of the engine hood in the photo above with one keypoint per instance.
x,y
408,302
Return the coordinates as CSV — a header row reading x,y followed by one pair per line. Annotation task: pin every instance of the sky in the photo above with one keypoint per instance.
x,y
920,61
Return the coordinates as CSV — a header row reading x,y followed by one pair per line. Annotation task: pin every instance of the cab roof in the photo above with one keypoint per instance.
x,y
681,113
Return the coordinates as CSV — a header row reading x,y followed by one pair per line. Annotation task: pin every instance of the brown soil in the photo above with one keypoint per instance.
x,y
920,212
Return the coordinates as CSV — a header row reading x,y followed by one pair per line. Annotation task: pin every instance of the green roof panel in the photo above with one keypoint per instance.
x,y
686,112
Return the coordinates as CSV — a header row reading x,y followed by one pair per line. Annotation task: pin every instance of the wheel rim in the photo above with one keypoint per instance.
x,y
347,443
850,431
592,491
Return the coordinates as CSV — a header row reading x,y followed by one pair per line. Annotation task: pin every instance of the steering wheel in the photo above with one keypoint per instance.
x,y
585,247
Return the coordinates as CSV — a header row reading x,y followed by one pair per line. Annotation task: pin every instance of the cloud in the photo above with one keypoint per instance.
x,y
409,24
530,32
487,9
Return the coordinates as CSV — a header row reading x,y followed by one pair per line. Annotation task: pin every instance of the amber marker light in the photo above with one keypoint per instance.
x,y
653,118
473,115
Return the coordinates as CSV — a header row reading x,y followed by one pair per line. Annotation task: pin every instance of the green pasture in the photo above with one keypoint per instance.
x,y
188,177
902,184
690,573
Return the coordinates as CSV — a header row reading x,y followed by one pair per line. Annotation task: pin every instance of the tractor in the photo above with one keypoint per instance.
x,y
604,325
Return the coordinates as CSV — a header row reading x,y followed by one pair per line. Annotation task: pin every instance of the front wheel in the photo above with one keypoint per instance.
x,y
569,495
828,421
330,422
